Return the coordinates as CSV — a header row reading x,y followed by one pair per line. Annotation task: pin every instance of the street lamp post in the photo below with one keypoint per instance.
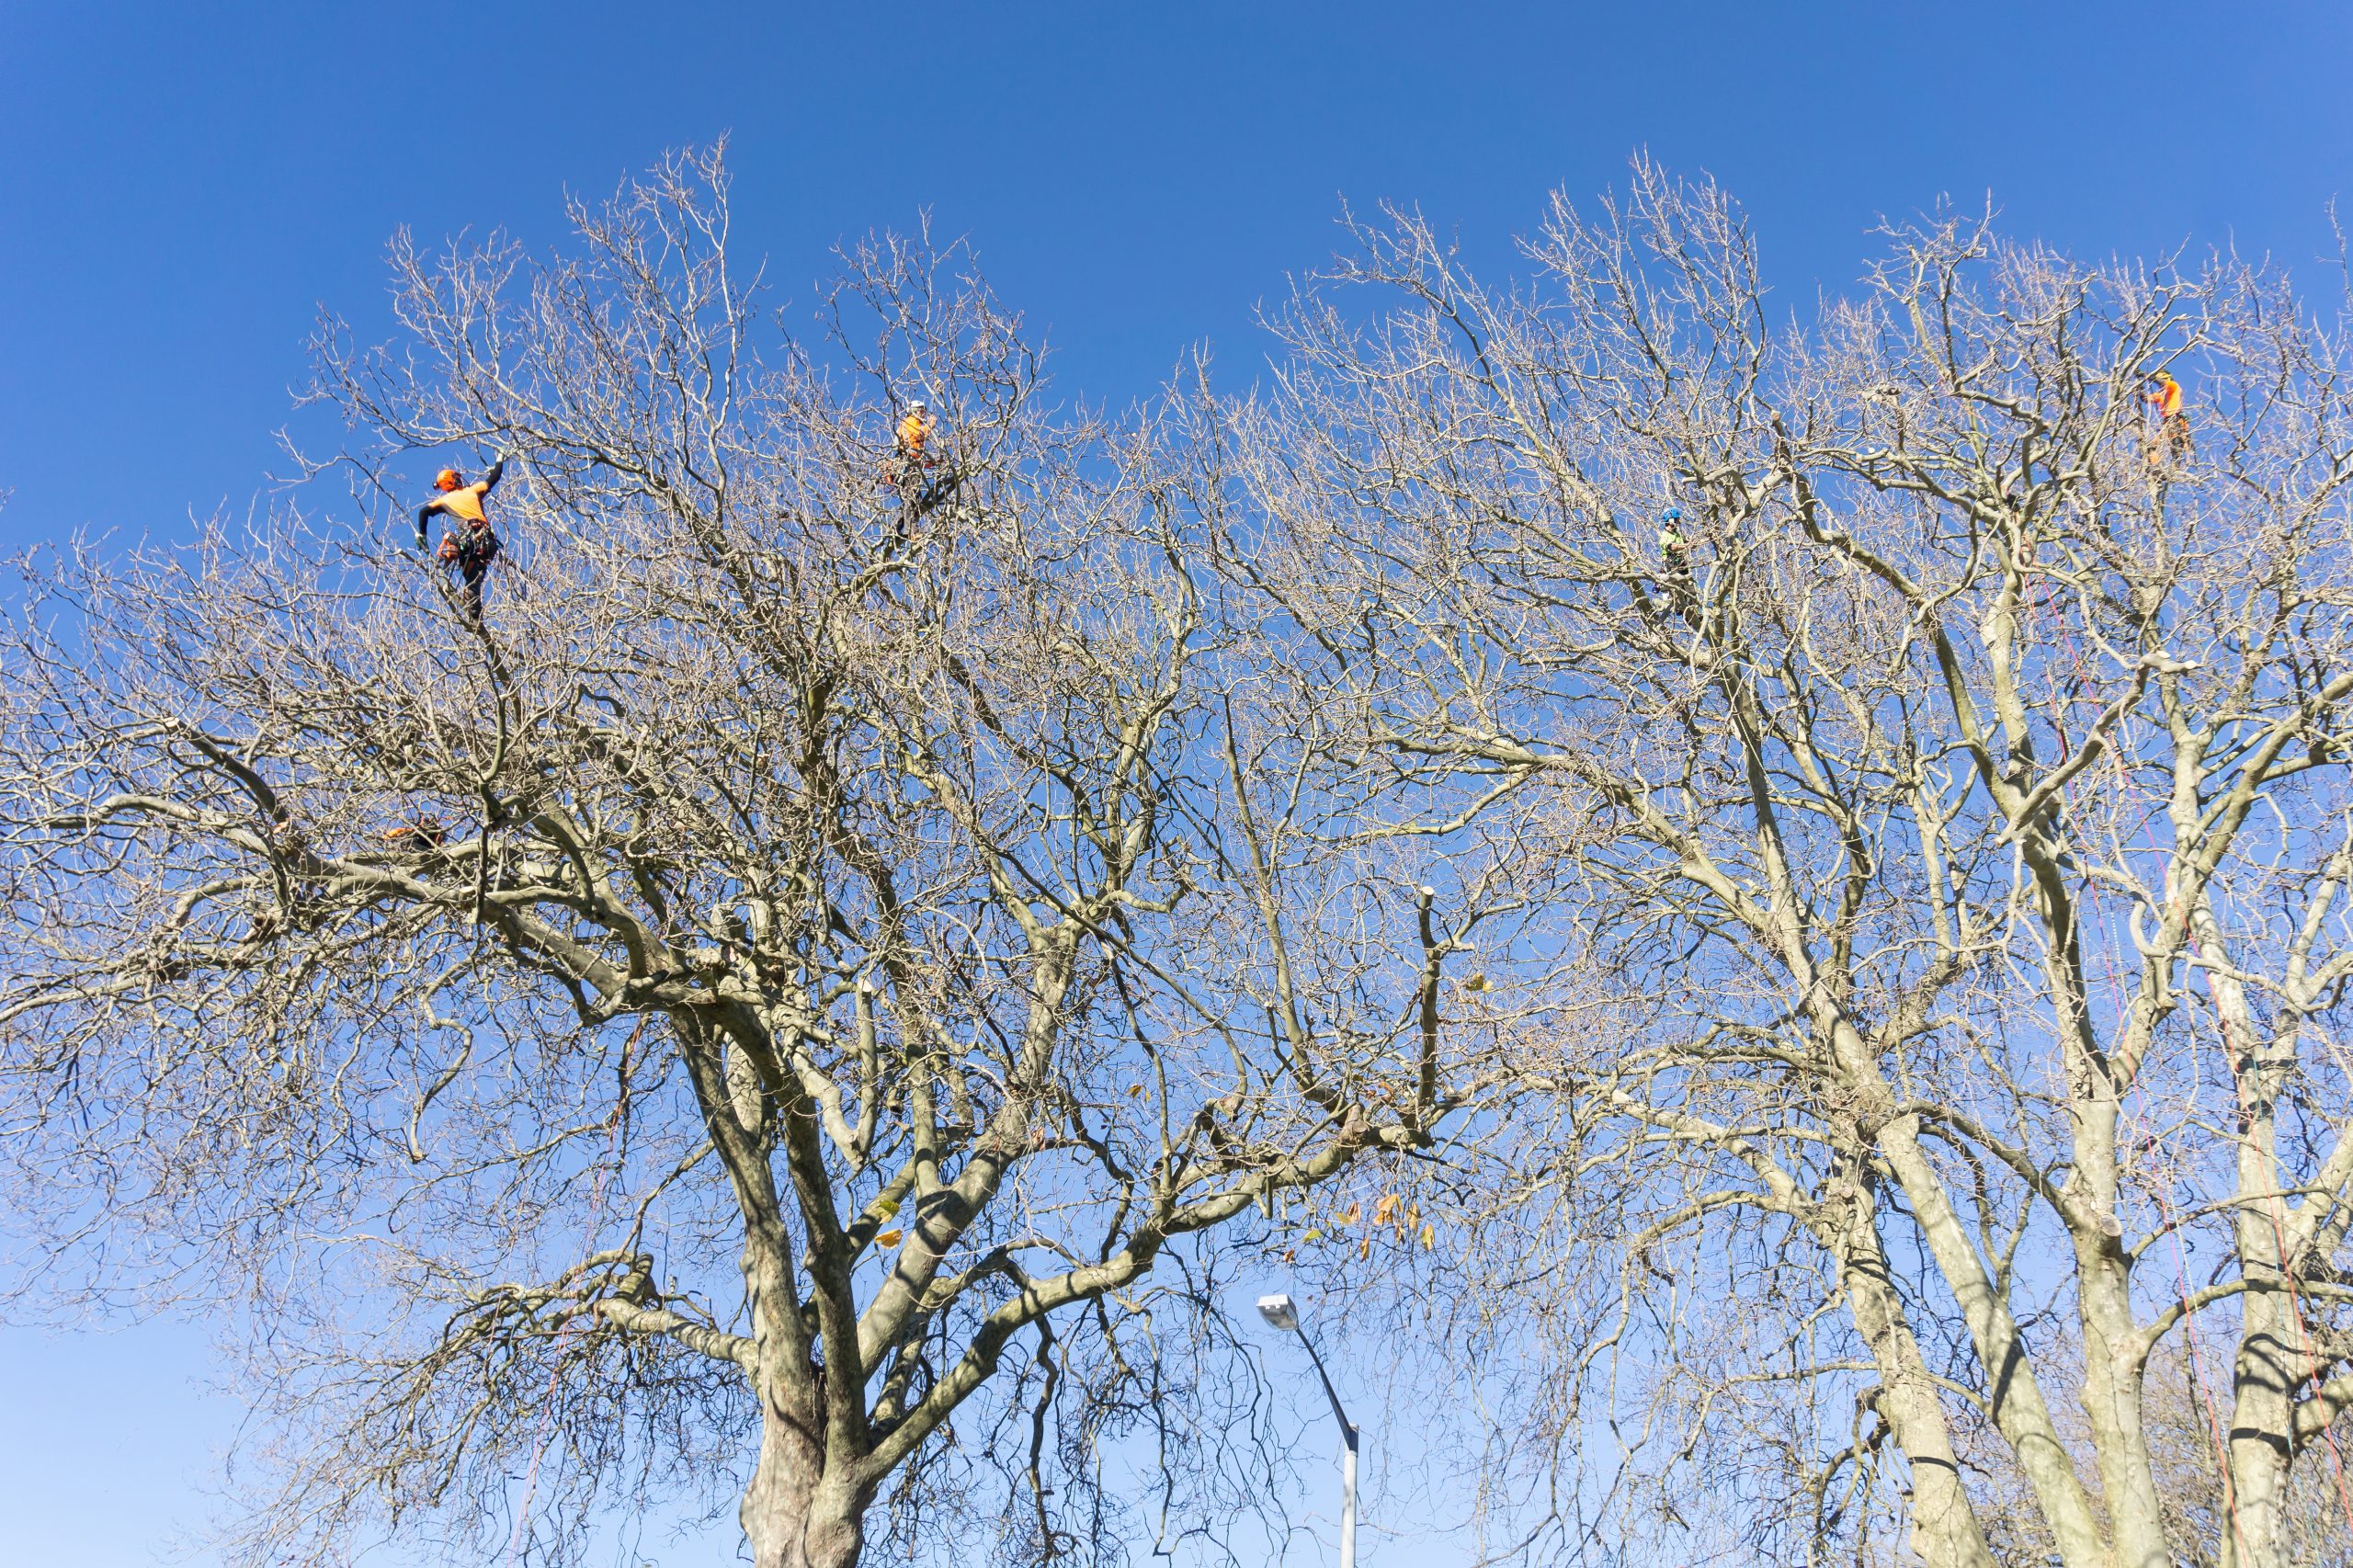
x,y
1279,1312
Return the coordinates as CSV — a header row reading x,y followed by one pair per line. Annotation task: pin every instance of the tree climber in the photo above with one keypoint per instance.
x,y
1675,548
908,468
469,547
424,832
910,452
915,432
2171,438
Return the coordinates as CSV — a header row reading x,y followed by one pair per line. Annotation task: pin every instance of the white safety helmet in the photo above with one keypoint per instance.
x,y
917,404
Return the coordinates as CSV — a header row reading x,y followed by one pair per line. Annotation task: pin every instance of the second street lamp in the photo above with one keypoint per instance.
x,y
1279,1312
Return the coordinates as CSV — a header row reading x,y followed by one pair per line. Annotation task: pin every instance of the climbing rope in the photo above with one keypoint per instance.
x,y
2128,788
520,1536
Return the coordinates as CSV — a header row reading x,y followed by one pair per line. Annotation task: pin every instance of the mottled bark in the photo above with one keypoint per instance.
x,y
1945,1530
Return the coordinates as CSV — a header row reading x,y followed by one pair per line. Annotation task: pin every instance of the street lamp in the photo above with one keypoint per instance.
x,y
1279,1312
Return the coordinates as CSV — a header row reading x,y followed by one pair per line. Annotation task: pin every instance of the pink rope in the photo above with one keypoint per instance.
x,y
2165,1208
516,1540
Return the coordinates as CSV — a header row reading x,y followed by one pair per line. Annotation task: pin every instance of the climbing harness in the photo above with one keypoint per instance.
x,y
469,545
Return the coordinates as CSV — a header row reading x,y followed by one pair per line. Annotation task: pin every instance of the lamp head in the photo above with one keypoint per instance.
x,y
1279,1312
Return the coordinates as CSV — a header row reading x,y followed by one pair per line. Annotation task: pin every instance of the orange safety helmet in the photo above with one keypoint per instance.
x,y
448,478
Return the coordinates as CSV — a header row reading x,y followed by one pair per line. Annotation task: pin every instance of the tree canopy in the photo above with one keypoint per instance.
x,y
1769,895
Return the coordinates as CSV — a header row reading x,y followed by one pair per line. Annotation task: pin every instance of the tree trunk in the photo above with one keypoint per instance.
x,y
2113,1369
2261,1412
2019,1412
794,1514
1945,1531
2267,1367
2269,1363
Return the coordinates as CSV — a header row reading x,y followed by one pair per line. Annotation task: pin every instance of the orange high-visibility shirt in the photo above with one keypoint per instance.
x,y
913,430
465,502
2167,397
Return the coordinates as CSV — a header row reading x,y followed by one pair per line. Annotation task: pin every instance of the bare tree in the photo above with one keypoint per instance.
x,y
2184,1424
784,993
1954,804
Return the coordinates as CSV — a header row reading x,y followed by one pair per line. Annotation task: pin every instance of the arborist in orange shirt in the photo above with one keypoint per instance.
x,y
2172,437
909,458
914,431
908,468
469,547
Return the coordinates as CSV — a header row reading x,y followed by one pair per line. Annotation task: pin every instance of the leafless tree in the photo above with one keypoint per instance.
x,y
1956,815
785,994
2185,1435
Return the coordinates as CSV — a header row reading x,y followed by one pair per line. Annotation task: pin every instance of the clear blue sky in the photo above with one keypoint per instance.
x,y
182,184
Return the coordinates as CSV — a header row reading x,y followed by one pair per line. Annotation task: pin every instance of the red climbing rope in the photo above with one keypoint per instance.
x,y
516,1540
2128,788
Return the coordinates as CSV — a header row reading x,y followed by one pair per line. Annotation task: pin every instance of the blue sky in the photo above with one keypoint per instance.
x,y
182,186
